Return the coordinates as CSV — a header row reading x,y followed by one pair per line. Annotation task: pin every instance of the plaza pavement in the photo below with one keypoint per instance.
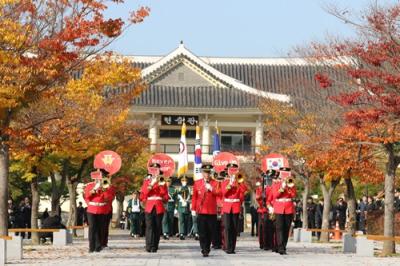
x,y
127,251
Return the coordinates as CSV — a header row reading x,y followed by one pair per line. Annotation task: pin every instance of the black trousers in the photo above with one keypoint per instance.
x,y
217,240
206,224
153,229
96,222
231,224
265,231
283,222
105,230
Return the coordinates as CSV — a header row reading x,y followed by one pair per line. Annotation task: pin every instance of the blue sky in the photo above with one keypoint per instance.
x,y
236,28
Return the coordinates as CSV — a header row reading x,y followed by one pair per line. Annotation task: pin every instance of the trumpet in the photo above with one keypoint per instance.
x,y
161,181
105,182
240,178
290,182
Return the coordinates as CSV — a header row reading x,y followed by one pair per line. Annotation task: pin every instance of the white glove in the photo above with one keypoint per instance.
x,y
97,186
208,187
283,185
194,213
270,210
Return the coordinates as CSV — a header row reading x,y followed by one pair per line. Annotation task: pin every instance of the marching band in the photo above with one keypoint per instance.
x,y
209,210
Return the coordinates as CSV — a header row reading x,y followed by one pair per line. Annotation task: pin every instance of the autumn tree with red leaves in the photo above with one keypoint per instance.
x,y
370,61
42,44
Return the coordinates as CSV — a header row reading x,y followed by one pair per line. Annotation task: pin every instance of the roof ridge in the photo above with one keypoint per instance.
x,y
182,51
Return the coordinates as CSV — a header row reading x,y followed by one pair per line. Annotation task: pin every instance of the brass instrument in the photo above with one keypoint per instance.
x,y
161,181
184,196
241,178
105,182
271,216
290,182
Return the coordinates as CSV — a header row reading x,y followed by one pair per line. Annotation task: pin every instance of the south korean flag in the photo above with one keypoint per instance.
x,y
274,163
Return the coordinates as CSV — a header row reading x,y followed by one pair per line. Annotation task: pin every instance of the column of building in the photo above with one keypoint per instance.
x,y
153,133
205,136
259,136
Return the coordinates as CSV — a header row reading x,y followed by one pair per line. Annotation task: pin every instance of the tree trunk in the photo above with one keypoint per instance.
x,y
35,209
388,228
351,205
4,166
72,198
56,192
327,194
120,207
306,192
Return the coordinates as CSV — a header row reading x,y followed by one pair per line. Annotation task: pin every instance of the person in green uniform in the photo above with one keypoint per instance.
x,y
193,216
168,219
183,199
134,209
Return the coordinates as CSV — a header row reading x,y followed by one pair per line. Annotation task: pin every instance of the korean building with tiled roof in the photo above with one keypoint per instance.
x,y
211,90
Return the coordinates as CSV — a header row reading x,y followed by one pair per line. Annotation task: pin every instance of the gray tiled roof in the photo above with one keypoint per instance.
x,y
200,97
295,80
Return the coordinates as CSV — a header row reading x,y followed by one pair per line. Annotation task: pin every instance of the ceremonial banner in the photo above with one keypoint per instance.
x,y
197,156
273,161
216,144
167,164
108,160
183,156
221,160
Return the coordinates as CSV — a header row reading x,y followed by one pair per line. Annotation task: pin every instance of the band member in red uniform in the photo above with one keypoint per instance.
x,y
110,190
262,212
283,193
97,199
270,203
154,194
204,205
217,240
265,224
233,193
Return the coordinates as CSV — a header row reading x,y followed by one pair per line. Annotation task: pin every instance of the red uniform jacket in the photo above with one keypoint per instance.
x,y
282,201
259,192
99,202
155,197
232,198
204,201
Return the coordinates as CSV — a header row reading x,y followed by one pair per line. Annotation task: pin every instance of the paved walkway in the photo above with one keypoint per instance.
x,y
127,251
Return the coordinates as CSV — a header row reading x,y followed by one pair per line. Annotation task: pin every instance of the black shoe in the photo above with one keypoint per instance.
x,y
182,237
166,237
148,250
282,252
154,250
205,254
216,247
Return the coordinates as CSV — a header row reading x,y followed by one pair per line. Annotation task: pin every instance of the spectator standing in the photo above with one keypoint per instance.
x,y
12,211
362,209
254,220
341,210
80,213
311,213
319,209
298,214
